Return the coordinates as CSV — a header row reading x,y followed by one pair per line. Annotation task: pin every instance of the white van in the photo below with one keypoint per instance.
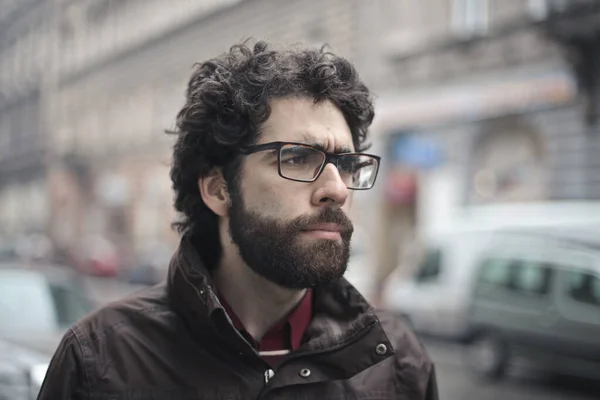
x,y
536,297
435,299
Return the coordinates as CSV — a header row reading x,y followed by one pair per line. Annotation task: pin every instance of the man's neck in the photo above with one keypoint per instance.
x,y
258,303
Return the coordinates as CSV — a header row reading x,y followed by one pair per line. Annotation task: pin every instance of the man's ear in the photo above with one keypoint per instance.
x,y
213,190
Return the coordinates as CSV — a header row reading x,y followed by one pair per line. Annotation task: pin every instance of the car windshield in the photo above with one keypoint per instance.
x,y
31,303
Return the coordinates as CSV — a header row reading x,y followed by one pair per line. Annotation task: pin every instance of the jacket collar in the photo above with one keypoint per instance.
x,y
342,321
297,321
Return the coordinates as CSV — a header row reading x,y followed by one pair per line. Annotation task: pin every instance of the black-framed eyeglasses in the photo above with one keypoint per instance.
x,y
302,162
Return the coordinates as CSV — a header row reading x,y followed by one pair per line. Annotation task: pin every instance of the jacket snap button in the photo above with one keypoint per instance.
x,y
381,349
305,372
268,375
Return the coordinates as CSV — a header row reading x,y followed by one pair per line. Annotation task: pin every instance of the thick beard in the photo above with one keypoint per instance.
x,y
273,247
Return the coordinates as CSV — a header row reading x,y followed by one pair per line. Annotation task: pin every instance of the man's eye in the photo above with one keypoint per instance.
x,y
349,166
298,160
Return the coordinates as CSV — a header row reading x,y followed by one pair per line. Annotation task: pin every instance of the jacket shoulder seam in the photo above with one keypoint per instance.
x,y
78,335
128,320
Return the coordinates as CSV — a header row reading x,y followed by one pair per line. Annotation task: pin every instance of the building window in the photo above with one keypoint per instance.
x,y
4,135
470,17
508,164
538,9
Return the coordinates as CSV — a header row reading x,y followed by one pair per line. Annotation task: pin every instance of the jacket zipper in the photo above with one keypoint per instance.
x,y
294,356
265,373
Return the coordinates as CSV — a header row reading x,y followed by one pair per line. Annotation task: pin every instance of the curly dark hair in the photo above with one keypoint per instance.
x,y
227,100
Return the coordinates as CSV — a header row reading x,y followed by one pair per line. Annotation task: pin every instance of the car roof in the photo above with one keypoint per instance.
x,y
52,272
587,236
565,249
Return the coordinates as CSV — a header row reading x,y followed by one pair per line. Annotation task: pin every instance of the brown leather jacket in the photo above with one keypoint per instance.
x,y
175,341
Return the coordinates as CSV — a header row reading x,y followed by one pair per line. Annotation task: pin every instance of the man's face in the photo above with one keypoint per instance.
x,y
295,234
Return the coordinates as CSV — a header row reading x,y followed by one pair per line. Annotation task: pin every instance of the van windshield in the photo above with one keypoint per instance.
x,y
430,267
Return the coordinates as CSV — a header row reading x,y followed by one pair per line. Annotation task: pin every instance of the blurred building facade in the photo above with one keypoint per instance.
x,y
478,101
487,102
24,52
109,83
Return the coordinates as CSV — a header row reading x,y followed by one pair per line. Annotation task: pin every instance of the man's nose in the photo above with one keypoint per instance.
x,y
330,187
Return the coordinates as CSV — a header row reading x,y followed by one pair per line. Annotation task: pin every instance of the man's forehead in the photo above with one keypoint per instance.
x,y
323,144
304,121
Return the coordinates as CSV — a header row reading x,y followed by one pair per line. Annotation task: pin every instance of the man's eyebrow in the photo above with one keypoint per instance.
x,y
311,140
343,149
337,150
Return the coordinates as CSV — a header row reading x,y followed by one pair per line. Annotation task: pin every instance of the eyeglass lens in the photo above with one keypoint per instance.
x,y
303,163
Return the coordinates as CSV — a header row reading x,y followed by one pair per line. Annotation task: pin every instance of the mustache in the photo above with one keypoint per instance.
x,y
324,216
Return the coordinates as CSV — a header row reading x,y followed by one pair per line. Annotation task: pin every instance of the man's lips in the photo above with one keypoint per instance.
x,y
329,231
327,227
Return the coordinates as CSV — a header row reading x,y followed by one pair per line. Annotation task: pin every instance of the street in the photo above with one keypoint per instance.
x,y
454,380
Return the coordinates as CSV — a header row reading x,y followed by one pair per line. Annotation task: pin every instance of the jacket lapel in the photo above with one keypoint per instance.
x,y
341,340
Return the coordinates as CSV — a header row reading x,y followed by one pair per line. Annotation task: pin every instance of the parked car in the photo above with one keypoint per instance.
x,y
435,298
37,305
22,371
536,297
99,257
152,265
7,251
435,295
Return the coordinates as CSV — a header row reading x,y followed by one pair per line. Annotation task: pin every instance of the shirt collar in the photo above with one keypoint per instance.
x,y
298,321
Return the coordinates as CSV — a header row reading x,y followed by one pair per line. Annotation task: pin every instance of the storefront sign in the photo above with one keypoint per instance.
x,y
413,151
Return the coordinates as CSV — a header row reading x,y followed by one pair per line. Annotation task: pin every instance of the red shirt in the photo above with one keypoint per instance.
x,y
286,336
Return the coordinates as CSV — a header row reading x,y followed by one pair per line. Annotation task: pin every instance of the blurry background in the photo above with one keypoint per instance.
x,y
486,118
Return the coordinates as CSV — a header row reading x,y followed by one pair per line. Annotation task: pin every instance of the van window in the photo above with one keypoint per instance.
x,y
515,275
584,287
430,267
532,277
495,272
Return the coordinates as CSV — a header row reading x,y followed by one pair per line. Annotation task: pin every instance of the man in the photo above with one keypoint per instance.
x,y
269,151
